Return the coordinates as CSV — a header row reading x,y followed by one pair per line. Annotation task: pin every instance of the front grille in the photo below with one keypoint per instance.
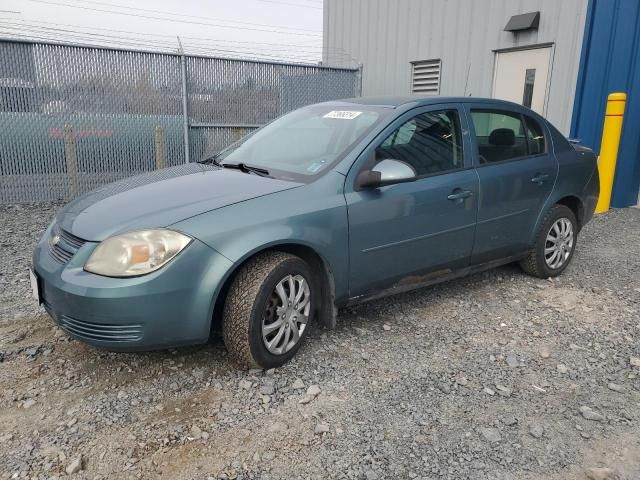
x,y
99,331
70,239
60,254
65,245
90,331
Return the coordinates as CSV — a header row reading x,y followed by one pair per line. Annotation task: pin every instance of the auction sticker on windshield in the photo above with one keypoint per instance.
x,y
342,114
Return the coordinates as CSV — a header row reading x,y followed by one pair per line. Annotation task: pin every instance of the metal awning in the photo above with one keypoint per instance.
x,y
524,21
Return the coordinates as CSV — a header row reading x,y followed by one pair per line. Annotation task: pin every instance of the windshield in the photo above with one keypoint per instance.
x,y
304,143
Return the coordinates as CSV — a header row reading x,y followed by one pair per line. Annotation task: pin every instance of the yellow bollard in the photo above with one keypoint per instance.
x,y
609,148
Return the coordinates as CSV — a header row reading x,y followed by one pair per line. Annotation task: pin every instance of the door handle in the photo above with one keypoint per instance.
x,y
540,178
458,194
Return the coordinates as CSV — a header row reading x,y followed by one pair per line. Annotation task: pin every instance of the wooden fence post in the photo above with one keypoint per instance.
x,y
161,150
71,159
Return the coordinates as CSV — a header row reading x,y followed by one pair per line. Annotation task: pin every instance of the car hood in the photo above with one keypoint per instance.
x,y
161,198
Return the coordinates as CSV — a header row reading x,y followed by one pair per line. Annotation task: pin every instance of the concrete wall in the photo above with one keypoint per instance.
x,y
386,35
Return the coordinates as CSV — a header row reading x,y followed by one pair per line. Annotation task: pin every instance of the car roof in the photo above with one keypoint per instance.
x,y
398,101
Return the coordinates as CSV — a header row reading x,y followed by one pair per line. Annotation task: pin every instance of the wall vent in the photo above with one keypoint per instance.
x,y
425,77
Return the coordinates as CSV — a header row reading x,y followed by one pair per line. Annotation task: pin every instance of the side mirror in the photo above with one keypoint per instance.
x,y
387,172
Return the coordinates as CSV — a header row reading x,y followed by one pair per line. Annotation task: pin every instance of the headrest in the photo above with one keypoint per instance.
x,y
504,137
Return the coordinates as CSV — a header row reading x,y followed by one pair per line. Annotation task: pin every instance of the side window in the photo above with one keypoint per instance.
x,y
430,142
402,135
500,135
535,136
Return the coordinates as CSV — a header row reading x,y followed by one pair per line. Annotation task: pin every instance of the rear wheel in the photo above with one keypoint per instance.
x,y
268,310
554,245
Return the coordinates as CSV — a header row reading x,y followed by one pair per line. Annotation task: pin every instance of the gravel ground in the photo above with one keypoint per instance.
x,y
496,376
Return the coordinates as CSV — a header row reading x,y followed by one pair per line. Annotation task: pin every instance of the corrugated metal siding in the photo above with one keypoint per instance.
x,y
385,36
611,63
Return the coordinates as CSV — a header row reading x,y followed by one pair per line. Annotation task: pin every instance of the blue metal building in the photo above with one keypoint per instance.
x,y
610,62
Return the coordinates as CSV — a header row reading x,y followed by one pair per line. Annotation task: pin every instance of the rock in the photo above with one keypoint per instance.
x,y
76,465
370,475
267,390
491,434
195,432
321,428
32,352
509,420
313,390
562,368
306,399
634,361
488,391
122,395
590,414
386,327
277,427
174,386
599,473
615,387
545,352
298,384
28,403
245,384
268,456
444,388
462,380
503,391
512,360
536,430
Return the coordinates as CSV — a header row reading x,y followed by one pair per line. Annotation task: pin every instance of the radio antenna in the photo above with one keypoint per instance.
x,y
466,82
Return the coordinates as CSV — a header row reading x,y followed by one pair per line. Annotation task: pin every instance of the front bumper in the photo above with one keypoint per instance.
x,y
169,307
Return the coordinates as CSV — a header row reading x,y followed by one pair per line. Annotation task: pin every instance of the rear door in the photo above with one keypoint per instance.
x,y
411,232
517,170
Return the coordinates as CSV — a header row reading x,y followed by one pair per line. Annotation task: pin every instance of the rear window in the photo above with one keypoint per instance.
x,y
500,135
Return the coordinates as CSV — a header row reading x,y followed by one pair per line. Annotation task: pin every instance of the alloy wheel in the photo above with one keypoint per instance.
x,y
287,314
559,243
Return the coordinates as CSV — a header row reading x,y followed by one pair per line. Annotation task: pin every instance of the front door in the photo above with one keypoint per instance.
x,y
410,232
521,76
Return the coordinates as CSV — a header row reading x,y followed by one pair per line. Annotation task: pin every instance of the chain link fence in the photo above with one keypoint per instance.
x,y
73,118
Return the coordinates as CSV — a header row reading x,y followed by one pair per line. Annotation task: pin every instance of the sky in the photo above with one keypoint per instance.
x,y
288,30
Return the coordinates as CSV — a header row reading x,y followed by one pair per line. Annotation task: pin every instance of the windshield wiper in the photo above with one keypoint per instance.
x,y
243,167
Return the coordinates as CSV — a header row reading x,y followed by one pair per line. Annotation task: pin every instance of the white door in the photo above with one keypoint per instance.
x,y
521,76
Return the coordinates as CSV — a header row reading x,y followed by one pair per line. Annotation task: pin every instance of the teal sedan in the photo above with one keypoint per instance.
x,y
326,206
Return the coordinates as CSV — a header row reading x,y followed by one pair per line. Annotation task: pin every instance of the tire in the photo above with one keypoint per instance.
x,y
536,264
251,305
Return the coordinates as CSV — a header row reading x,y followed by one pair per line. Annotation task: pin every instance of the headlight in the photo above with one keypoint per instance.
x,y
135,253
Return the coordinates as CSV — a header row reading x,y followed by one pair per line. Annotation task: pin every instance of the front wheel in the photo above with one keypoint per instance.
x,y
554,245
268,310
